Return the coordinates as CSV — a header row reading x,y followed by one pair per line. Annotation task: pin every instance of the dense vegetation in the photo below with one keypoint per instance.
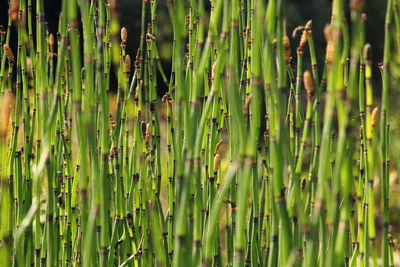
x,y
235,165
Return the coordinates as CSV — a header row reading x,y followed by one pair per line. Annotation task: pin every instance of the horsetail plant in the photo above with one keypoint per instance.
x,y
243,171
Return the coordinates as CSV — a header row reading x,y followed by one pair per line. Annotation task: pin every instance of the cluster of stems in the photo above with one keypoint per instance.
x,y
243,171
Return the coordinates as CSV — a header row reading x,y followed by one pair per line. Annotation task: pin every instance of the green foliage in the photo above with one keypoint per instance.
x,y
235,165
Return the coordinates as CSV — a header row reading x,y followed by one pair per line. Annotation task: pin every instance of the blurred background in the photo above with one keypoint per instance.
x,y
298,12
